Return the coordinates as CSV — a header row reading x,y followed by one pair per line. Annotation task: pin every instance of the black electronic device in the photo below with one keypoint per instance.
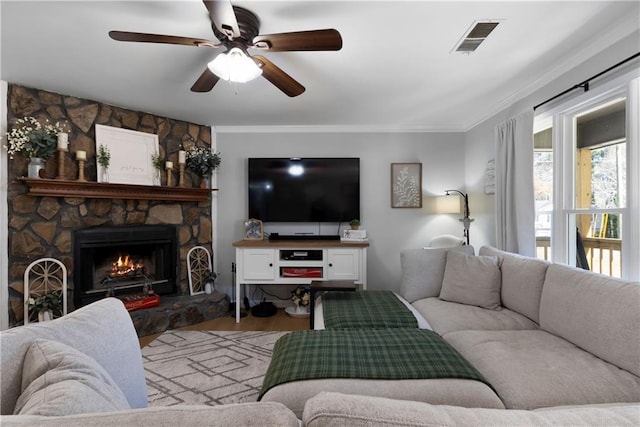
x,y
301,255
276,237
304,190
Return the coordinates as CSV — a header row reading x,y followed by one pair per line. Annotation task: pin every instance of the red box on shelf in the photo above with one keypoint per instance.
x,y
304,272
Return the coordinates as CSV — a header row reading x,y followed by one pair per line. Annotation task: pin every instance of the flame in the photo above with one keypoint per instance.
x,y
124,265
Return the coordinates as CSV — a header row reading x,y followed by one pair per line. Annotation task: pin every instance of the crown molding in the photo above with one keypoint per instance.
x,y
335,129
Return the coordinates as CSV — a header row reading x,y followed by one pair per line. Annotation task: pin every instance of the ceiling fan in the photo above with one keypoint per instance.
x,y
237,30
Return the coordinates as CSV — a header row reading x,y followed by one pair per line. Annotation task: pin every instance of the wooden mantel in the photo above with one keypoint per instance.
x,y
101,190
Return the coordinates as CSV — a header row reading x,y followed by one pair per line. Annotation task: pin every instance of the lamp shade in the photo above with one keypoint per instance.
x,y
235,66
446,205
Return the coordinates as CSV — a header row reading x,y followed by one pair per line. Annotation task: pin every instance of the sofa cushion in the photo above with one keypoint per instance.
x,y
58,380
459,392
341,410
241,414
445,317
597,313
534,369
473,280
102,330
522,280
423,270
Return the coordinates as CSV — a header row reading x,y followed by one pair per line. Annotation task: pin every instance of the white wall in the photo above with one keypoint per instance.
x,y
479,141
390,230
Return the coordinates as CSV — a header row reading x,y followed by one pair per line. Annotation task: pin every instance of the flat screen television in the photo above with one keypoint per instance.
x,y
304,189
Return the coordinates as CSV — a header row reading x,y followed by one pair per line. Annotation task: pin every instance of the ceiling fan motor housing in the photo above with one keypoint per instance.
x,y
249,26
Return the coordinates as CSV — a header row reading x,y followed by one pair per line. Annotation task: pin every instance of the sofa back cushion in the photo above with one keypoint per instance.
x,y
472,280
600,314
522,280
102,330
423,271
58,380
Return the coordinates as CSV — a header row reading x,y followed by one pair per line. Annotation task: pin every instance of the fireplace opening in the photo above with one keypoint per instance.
x,y
122,260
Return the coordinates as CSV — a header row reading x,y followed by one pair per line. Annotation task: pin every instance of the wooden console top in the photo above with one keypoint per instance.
x,y
298,244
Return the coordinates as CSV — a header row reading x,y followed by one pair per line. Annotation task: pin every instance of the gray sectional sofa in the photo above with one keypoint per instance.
x,y
543,335
562,347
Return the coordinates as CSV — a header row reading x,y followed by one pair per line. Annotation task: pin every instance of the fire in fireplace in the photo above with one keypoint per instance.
x,y
123,260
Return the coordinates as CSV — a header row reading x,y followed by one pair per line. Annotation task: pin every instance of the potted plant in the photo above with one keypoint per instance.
x,y
158,164
36,140
104,159
209,281
46,306
355,224
203,161
301,298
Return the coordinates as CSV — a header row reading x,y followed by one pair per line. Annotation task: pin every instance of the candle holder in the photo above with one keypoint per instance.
x,y
181,175
81,170
61,153
169,177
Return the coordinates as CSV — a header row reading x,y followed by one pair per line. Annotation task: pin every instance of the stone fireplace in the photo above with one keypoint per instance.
x,y
46,226
121,260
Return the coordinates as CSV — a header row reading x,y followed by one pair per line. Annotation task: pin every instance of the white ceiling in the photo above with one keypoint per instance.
x,y
394,72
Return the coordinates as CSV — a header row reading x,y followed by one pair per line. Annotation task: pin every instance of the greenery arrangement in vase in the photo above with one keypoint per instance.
x,y
355,224
104,159
158,164
203,161
46,306
209,280
36,140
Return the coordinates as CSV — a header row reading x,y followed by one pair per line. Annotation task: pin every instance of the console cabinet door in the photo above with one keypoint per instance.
x,y
344,264
259,264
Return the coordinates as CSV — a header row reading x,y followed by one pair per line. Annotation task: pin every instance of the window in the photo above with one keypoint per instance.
x,y
585,216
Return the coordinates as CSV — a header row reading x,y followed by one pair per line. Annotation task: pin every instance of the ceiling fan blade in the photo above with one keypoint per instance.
x,y
300,40
223,17
279,78
126,36
205,82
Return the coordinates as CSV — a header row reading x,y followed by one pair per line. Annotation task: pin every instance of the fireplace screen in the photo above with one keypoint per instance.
x,y
121,260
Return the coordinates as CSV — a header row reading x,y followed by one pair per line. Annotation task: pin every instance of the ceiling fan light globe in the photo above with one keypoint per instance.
x,y
235,66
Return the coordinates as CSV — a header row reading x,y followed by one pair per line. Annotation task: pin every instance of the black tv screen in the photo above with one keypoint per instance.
x,y
304,189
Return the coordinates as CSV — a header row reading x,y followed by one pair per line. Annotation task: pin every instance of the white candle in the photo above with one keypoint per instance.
x,y
169,165
182,157
81,155
63,140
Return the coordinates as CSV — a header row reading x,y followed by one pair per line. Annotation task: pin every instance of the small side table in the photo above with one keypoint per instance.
x,y
327,285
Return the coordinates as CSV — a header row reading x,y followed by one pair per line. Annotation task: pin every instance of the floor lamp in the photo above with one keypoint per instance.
x,y
466,220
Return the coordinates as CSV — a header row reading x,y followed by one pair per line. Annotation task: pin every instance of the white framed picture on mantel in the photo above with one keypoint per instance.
x,y
131,155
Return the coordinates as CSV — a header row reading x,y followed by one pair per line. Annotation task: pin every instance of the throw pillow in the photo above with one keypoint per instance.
x,y
472,280
422,271
58,380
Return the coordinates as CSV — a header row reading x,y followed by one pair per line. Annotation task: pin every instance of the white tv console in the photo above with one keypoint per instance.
x,y
298,262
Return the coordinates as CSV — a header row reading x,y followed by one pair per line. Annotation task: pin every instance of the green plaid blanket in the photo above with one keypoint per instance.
x,y
389,354
365,310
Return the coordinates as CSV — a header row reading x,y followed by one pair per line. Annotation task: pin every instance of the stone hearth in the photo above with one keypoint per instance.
x,y
180,311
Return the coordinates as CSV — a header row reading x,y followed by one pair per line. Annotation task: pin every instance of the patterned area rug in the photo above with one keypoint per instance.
x,y
207,367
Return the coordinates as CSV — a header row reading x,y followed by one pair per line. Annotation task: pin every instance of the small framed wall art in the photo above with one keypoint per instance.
x,y
406,185
253,229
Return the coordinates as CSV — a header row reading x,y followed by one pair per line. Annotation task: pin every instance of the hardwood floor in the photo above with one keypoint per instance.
x,y
280,322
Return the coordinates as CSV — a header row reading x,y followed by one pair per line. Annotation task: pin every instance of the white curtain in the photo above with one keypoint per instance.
x,y
515,207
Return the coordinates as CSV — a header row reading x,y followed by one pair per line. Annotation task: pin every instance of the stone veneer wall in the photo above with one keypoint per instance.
x,y
43,226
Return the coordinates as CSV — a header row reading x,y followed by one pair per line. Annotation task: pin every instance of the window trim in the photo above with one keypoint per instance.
x,y
560,118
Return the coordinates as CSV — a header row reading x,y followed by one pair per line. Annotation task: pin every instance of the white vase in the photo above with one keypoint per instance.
x,y
45,315
208,288
36,164
301,309
104,175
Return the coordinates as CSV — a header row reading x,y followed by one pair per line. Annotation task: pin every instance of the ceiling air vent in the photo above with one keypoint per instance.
x,y
474,36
